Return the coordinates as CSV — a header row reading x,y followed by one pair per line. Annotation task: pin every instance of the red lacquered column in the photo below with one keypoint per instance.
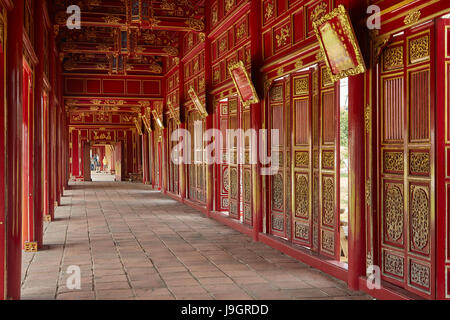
x,y
14,76
210,118
255,113
38,108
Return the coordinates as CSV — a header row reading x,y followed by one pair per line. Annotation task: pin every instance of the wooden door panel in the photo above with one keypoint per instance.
x,y
442,159
406,157
302,162
277,206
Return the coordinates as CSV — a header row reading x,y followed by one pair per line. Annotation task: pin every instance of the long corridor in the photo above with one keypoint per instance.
x,y
131,242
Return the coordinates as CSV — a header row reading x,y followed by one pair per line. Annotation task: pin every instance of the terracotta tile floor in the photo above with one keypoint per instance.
x,y
133,243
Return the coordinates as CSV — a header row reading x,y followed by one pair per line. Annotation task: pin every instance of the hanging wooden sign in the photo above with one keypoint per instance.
x,y
137,123
173,113
158,119
339,44
243,84
197,103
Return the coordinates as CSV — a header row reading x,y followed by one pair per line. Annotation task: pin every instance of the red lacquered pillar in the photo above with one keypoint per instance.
x,y
255,113
209,103
145,168
14,76
38,108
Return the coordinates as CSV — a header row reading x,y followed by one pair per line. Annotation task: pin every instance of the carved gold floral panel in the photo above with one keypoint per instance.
x,y
419,218
277,223
393,212
328,241
302,159
393,162
419,163
419,275
328,210
327,159
302,231
419,49
301,196
301,86
393,265
393,58
277,192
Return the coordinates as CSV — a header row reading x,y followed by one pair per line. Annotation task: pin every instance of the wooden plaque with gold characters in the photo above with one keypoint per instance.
x,y
338,44
243,83
197,103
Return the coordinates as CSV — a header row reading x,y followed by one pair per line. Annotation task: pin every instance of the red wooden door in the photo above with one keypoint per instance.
x,y
406,190
442,158
302,144
222,169
328,163
233,161
279,149
304,108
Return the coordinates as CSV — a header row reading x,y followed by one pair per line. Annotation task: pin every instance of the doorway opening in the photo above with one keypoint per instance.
x,y
344,168
102,162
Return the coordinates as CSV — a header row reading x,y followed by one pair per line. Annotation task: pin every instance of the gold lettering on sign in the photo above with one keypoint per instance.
x,y
301,86
419,49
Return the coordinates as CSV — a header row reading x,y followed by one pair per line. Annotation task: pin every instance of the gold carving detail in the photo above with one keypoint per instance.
x,y
301,197
318,11
301,159
412,17
419,49
393,161
419,162
420,275
393,264
283,36
393,58
327,159
328,201
277,192
301,231
420,217
268,11
301,86
393,206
